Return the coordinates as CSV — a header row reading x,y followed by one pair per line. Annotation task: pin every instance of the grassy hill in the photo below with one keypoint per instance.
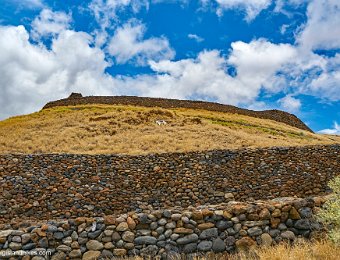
x,y
93,129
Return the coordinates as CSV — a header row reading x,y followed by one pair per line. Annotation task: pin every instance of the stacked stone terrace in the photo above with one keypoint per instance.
x,y
63,206
165,233
276,115
64,185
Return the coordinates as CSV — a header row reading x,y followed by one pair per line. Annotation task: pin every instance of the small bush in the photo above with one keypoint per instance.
x,y
330,214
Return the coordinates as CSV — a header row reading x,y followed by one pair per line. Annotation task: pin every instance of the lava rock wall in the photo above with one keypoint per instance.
x,y
50,186
166,233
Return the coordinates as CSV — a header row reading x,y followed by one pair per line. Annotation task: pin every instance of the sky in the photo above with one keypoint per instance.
x,y
255,54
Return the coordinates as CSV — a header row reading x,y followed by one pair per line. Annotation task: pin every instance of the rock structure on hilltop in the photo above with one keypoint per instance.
x,y
276,115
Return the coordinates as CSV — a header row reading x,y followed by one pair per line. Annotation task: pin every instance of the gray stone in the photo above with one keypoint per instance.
x,y
58,235
162,221
153,225
64,248
25,238
43,242
274,232
288,235
116,236
230,241
167,213
82,240
28,246
218,245
302,224
282,227
52,229
189,248
168,233
106,254
237,227
187,239
16,239
231,231
204,246
93,235
160,230
174,237
17,233
145,240
208,233
305,212
120,243
67,241
150,250
223,224
254,231
170,225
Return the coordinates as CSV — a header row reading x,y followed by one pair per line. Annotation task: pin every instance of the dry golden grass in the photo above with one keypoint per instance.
x,y
94,129
316,250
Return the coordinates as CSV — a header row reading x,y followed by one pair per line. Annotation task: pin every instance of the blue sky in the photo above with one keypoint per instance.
x,y
256,54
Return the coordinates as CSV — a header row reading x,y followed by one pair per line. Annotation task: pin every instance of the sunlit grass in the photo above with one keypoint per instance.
x,y
93,129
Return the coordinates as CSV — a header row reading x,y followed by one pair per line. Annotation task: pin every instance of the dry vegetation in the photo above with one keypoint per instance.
x,y
93,129
317,250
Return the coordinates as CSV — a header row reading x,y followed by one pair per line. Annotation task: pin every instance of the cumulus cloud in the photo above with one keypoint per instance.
x,y
207,77
50,23
195,37
251,7
333,131
128,43
322,29
290,104
32,75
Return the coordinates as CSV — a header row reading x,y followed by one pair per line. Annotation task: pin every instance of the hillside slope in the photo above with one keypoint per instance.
x,y
93,129
276,115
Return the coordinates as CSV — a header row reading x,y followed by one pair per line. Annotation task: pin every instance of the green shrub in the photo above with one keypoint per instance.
x,y
330,213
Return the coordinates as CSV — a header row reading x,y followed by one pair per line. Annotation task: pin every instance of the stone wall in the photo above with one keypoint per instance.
x,y
222,228
276,115
63,185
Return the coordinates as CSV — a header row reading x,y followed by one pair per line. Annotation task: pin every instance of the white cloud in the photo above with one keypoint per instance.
x,y
127,43
28,4
322,29
105,11
195,37
206,76
31,75
251,7
258,61
50,23
290,104
333,131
